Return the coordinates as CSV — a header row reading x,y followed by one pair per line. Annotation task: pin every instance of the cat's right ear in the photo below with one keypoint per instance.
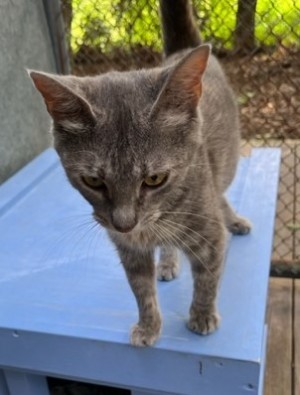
x,y
67,108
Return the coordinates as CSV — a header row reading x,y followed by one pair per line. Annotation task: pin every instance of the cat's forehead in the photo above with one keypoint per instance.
x,y
122,103
118,91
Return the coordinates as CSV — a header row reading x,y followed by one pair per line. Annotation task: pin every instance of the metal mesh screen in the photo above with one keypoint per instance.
x,y
258,43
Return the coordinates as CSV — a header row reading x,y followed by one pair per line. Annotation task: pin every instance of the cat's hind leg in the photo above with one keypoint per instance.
x,y
168,265
236,224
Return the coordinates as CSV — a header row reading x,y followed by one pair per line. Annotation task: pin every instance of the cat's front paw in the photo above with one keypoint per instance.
x,y
167,272
241,226
142,336
204,324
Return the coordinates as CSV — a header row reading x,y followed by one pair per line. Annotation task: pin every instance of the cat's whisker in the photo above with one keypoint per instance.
x,y
162,238
73,220
179,230
185,229
94,239
76,225
85,152
167,238
76,216
196,165
88,237
180,243
73,235
187,213
175,229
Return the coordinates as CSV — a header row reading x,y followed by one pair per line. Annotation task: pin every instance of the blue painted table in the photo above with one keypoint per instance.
x,y
66,308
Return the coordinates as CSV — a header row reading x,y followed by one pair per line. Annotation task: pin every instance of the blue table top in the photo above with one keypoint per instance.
x,y
61,276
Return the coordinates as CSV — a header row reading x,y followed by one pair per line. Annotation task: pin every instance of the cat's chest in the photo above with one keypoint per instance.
x,y
138,239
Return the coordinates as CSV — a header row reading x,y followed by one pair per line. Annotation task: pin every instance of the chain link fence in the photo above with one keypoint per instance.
x,y
258,43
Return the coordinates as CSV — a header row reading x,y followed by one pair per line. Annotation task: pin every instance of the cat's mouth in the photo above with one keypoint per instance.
x,y
115,227
141,234
144,225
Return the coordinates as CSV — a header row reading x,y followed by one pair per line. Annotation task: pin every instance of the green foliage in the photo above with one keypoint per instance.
x,y
278,20
107,24
217,21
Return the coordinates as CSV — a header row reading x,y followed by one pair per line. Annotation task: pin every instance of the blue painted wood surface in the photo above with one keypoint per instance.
x,y
66,307
3,385
19,383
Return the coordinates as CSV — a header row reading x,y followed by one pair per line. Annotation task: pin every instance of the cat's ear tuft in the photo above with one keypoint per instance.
x,y
63,104
183,87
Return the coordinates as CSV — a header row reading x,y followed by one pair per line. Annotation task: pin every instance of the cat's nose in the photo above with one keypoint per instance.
x,y
124,219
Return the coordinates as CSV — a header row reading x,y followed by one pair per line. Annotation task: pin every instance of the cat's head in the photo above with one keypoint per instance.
x,y
126,140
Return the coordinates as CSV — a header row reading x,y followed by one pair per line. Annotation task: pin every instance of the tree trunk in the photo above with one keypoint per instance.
x,y
67,11
245,27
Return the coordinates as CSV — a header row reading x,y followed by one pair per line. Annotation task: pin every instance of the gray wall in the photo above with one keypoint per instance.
x,y
24,122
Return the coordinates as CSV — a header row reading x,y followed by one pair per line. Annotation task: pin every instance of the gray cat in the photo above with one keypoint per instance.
x,y
153,152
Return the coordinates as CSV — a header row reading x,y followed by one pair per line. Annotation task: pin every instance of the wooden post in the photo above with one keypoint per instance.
x,y
245,26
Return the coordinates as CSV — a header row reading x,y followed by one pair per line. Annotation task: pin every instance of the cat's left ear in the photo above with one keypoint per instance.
x,y
183,87
66,107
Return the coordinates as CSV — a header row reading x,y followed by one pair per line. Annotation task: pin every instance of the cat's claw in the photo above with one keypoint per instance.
x,y
240,227
204,324
143,337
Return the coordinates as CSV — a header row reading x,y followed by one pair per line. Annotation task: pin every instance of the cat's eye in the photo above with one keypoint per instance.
x,y
93,182
155,180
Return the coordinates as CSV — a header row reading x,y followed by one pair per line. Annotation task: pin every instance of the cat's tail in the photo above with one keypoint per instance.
x,y
179,27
